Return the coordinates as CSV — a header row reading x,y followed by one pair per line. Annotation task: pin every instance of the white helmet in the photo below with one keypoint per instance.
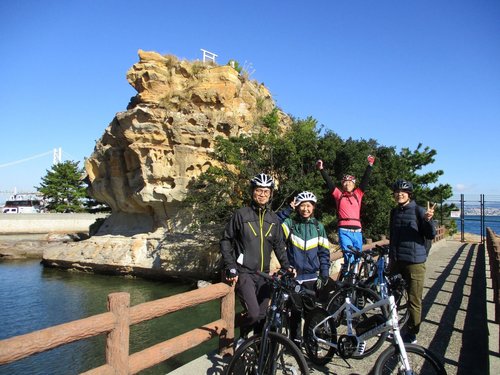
x,y
305,196
262,180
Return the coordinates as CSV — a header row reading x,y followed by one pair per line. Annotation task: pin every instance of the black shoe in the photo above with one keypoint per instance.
x,y
297,341
410,338
238,343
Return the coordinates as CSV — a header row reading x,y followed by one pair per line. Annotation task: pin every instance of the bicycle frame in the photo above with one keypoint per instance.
x,y
274,320
352,312
280,295
381,281
352,267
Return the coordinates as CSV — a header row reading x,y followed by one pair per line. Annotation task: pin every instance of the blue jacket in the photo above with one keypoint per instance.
x,y
408,231
308,249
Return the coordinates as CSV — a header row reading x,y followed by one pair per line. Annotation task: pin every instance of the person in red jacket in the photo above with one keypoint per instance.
x,y
348,203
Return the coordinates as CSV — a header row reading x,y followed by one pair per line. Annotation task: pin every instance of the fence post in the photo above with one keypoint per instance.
x,y
227,313
117,342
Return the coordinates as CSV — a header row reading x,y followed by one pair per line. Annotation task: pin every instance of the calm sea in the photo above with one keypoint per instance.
x,y
472,224
33,297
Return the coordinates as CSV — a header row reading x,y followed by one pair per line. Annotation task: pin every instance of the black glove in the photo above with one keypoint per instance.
x,y
321,282
231,273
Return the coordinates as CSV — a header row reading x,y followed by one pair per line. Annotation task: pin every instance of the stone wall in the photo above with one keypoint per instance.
x,y
47,223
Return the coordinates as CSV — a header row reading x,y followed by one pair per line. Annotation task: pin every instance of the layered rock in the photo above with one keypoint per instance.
x,y
148,154
143,163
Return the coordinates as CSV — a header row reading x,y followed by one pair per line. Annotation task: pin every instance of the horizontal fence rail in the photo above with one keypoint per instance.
x,y
116,323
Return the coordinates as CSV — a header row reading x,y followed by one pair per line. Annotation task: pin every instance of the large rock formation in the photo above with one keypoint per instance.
x,y
147,156
144,161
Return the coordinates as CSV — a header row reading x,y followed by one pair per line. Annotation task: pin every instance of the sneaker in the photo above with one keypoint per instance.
x,y
361,348
238,343
297,342
410,338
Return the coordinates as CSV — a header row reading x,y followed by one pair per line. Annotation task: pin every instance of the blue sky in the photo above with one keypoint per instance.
x,y
400,72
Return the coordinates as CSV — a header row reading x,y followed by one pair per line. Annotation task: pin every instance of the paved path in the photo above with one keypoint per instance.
x,y
457,318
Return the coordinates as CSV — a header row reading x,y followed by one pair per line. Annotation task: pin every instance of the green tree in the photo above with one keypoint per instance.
x,y
427,189
63,187
290,158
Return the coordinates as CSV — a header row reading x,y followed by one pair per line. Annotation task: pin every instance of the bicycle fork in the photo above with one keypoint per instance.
x,y
264,343
398,340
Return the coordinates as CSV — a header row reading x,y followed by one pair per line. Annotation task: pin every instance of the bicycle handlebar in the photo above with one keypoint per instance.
x,y
285,279
366,255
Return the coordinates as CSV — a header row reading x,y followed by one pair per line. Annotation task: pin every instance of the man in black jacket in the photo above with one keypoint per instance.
x,y
410,226
249,238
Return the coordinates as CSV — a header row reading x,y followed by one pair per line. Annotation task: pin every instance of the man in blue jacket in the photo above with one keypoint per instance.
x,y
410,226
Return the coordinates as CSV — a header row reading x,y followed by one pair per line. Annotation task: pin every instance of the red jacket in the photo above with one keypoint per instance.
x,y
348,207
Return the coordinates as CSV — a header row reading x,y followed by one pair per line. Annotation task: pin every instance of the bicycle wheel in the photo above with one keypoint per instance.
x,y
282,357
360,297
422,361
318,353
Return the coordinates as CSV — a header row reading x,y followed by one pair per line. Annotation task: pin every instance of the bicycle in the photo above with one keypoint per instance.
x,y
399,358
272,352
374,274
351,270
361,297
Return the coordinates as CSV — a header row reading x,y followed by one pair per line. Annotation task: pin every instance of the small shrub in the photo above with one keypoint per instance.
x,y
197,68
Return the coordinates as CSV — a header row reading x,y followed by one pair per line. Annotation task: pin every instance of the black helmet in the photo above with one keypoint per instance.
x,y
402,185
262,180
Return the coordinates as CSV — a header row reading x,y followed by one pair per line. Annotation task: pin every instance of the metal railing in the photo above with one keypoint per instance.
x,y
481,209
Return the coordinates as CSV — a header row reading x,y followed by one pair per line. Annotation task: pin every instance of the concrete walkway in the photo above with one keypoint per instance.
x,y
458,318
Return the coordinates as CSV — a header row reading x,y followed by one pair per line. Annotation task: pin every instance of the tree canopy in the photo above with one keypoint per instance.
x,y
63,187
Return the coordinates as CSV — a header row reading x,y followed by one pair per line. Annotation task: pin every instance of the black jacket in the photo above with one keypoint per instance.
x,y
408,231
249,239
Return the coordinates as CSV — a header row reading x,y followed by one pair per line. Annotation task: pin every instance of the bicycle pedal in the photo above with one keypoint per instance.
x,y
361,348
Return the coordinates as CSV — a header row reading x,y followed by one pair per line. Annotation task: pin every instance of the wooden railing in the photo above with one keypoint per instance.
x,y
440,233
116,323
493,248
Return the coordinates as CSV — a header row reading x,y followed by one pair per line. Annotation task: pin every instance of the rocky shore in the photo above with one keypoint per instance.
x,y
31,246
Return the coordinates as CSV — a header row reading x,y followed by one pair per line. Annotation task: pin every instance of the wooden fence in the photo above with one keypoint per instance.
x,y
116,324
493,248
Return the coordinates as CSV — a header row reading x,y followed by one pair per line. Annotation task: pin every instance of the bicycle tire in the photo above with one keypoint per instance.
x,y
422,361
319,354
360,297
288,358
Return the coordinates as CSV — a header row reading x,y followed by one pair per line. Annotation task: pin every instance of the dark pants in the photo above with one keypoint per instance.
x,y
413,274
254,293
297,311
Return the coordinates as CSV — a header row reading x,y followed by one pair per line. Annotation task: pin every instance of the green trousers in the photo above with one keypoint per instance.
x,y
414,275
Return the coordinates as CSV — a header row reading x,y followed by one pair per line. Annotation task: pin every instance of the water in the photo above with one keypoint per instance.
x,y
472,224
33,297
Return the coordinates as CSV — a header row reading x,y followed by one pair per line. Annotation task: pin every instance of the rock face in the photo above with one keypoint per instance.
x,y
147,156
